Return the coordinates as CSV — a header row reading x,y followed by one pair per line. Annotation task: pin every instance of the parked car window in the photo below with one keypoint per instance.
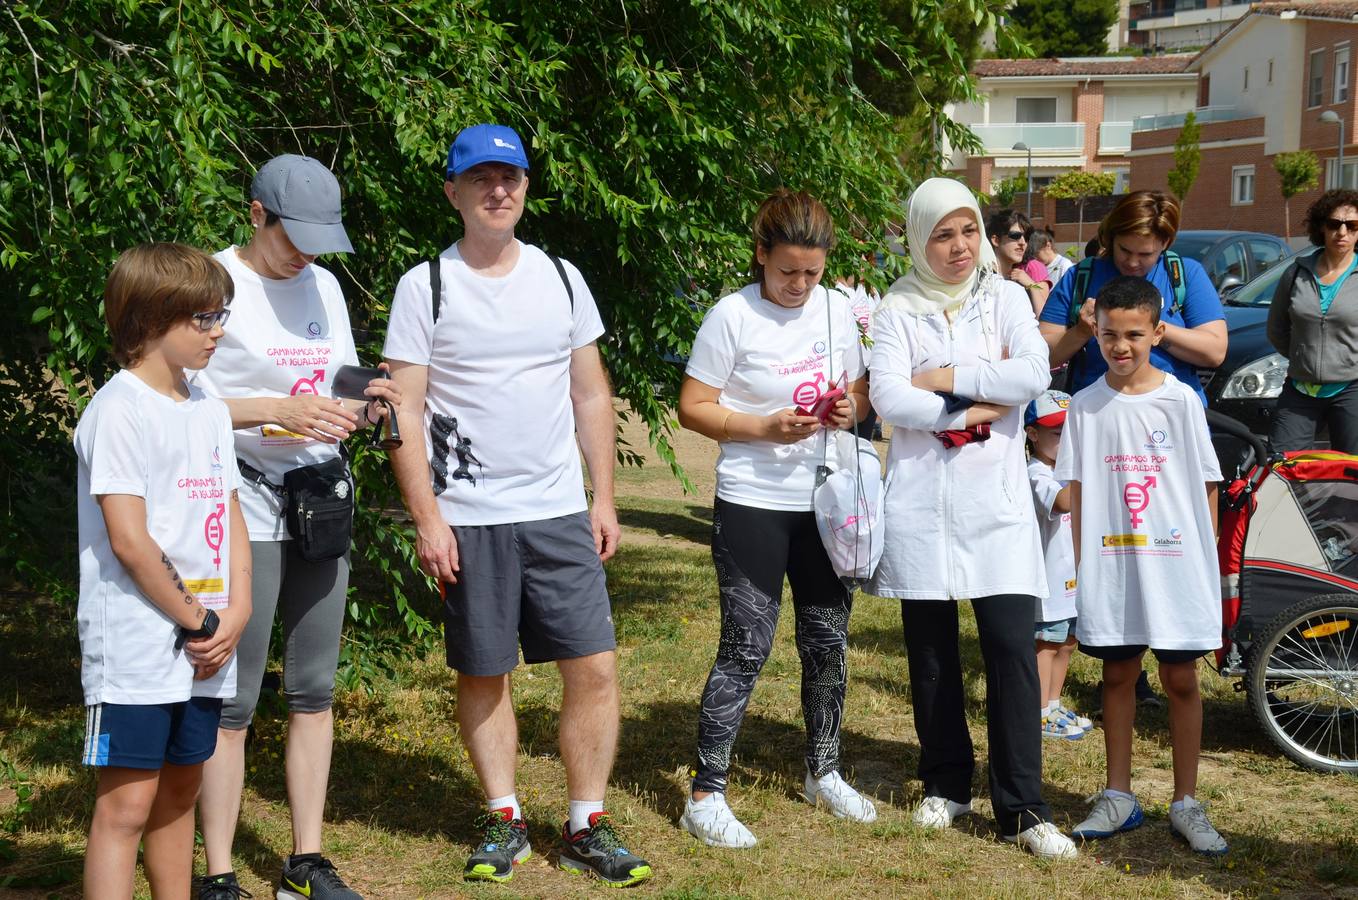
x,y
1266,254
1259,292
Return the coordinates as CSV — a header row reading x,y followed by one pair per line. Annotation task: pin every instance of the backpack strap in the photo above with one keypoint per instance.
x,y
435,287
1175,264
251,474
561,270
1084,271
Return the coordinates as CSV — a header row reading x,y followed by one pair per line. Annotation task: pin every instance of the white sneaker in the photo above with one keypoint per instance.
x,y
1044,840
938,812
1189,822
1110,815
711,821
836,795
1080,722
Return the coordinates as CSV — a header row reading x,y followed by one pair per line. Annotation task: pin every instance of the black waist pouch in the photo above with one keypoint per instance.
x,y
318,506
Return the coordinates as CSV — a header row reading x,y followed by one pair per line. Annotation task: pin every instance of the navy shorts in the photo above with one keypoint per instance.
x,y
149,736
539,585
1124,652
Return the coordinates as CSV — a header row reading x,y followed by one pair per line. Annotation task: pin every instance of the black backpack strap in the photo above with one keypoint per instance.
x,y
250,473
561,270
435,287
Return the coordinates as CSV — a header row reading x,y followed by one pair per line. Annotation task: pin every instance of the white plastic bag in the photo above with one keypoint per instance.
x,y
848,505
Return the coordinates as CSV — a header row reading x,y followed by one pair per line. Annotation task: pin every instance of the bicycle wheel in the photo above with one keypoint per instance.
x,y
1302,682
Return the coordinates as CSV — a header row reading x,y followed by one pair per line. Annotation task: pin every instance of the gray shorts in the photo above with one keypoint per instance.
x,y
539,585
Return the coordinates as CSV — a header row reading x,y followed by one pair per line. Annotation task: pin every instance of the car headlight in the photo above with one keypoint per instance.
x,y
1260,380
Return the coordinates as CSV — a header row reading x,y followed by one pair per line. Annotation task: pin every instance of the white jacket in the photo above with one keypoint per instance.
x,y
959,522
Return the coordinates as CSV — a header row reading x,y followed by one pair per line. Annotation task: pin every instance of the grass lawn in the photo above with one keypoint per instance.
x,y
403,795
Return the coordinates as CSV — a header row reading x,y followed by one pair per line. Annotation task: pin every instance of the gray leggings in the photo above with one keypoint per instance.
x,y
310,595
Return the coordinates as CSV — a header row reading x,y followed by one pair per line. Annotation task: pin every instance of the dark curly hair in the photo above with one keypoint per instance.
x,y
1323,208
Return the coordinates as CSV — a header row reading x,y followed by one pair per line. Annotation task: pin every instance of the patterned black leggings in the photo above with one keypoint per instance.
x,y
752,549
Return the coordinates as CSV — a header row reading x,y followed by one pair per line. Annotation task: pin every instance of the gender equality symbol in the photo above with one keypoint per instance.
x,y
808,392
213,532
1137,496
308,385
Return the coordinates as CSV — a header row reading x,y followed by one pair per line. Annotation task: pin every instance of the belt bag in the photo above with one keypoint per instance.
x,y
318,506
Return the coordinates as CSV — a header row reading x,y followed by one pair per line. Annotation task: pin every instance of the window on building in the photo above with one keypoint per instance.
x,y
1035,109
1341,74
1315,79
1242,184
1350,179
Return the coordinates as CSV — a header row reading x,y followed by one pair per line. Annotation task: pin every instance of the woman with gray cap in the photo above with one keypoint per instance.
x,y
274,369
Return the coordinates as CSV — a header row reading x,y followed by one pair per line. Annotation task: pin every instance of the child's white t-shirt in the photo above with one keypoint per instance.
x,y
286,336
1148,559
1058,548
498,416
765,357
178,457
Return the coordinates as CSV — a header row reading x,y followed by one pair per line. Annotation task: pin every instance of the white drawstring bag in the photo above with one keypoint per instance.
x,y
847,501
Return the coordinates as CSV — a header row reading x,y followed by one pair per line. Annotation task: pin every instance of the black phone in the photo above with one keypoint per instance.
x,y
351,381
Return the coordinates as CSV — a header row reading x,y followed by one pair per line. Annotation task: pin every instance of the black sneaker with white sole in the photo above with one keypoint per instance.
x,y
504,844
219,887
598,849
313,877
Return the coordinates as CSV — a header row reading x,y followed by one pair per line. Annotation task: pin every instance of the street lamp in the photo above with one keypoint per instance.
x,y
1022,148
1330,117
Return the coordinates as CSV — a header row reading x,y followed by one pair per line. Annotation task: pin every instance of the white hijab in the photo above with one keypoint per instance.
x,y
920,291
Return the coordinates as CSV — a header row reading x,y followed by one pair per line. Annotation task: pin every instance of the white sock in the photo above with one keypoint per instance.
x,y
1178,805
509,800
1120,795
581,810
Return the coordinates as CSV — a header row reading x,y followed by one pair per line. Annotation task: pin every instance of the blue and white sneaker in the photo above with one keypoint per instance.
x,y
1054,726
1074,718
1110,816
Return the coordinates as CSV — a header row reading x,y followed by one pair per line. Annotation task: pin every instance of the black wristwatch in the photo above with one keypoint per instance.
x,y
206,629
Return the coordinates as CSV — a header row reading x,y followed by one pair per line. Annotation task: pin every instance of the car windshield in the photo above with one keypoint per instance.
x,y
1193,247
1259,292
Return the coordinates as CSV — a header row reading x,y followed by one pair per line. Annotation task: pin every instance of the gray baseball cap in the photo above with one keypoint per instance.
x,y
306,197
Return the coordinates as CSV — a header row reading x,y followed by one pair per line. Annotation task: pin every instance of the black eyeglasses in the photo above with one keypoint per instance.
x,y
1336,224
1016,235
207,321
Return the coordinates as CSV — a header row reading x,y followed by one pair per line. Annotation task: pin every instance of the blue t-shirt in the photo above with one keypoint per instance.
x,y
1201,305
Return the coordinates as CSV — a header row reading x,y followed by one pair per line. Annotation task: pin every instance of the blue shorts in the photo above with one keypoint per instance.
x,y
133,736
1055,632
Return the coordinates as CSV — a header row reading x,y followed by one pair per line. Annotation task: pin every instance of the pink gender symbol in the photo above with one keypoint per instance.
x,y
1137,496
213,532
308,385
808,392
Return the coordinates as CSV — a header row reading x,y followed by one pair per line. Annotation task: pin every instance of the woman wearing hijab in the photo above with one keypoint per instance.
x,y
956,357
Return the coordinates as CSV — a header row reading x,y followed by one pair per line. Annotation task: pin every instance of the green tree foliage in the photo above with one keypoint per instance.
x,y
1079,185
1298,172
655,127
1187,157
1007,188
1063,27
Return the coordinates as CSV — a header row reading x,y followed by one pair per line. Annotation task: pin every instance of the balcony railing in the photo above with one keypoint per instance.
x,y
1115,137
1205,114
1043,137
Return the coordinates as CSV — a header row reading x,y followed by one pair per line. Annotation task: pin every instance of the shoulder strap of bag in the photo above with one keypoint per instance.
x,y
1084,271
250,473
1175,264
561,270
436,284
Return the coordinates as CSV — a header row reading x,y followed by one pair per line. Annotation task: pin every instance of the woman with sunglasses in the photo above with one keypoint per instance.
x,y
1133,239
1009,232
1313,321
289,335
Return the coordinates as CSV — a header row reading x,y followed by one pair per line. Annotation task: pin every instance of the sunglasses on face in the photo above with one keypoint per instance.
x,y
1016,235
1351,225
206,321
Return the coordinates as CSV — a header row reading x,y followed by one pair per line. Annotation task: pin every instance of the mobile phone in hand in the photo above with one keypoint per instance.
x,y
351,381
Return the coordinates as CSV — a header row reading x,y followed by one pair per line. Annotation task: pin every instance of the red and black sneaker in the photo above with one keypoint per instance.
x,y
504,844
598,849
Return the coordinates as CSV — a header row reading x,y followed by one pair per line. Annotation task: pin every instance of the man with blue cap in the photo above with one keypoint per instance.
x,y
493,345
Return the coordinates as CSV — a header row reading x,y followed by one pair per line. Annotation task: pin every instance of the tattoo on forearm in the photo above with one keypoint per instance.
x,y
174,576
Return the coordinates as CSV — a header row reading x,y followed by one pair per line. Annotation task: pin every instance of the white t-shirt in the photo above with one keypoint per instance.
x,y
501,427
864,304
286,336
1058,547
1148,560
178,457
1059,265
765,357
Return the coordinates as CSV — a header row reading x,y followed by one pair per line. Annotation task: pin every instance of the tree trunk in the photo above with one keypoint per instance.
x,y
1080,229
1287,218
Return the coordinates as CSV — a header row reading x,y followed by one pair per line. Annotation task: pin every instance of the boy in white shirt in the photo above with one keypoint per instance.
x,y
1138,455
164,568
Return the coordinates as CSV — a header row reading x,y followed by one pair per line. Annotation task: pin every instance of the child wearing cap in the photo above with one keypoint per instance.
x,y
1143,478
164,567
1043,420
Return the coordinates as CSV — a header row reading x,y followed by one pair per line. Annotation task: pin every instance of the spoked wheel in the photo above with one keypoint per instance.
x,y
1302,682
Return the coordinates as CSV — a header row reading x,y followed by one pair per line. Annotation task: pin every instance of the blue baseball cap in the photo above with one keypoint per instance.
x,y
478,144
1048,410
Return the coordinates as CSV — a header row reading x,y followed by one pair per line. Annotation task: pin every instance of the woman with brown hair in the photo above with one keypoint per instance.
x,y
773,366
1133,239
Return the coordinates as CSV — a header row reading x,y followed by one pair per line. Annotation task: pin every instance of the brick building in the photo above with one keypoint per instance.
x,y
1262,88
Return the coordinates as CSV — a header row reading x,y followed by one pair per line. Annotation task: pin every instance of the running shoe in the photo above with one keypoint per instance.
x,y
1145,694
1061,728
836,795
1189,823
1074,718
313,878
711,821
219,887
598,849
1044,840
504,844
938,812
1110,815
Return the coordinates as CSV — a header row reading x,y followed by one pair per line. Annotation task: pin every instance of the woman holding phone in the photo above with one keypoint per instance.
x,y
762,383
275,369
